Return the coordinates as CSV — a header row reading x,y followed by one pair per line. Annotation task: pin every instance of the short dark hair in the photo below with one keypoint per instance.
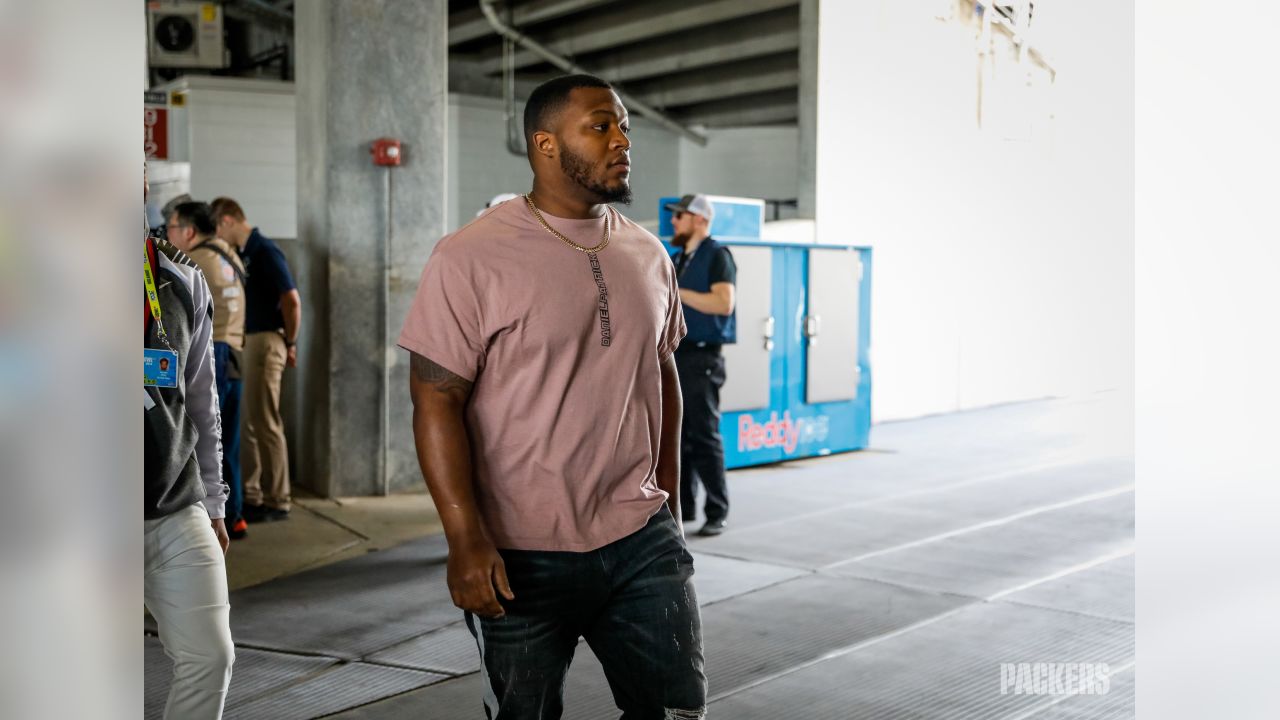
x,y
198,215
549,98
226,206
167,210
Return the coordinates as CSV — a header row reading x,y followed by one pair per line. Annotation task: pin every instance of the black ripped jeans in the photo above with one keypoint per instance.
x,y
633,600
701,447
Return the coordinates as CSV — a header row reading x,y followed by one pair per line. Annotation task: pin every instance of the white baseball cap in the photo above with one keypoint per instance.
x,y
697,204
497,199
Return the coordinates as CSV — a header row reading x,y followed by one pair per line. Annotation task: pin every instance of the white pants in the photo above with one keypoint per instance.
x,y
185,588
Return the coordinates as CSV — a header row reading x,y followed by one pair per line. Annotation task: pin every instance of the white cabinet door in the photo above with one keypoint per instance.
x,y
831,325
747,362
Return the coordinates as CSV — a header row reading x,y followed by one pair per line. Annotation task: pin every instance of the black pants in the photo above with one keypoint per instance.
x,y
633,600
701,447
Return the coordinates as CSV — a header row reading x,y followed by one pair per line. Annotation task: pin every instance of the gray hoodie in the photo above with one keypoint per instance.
x,y
182,427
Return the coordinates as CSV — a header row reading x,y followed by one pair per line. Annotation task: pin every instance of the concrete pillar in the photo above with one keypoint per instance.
x,y
808,120
365,69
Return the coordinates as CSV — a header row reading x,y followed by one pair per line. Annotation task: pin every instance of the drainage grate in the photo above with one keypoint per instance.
x,y
720,578
992,559
449,650
255,672
1106,590
343,687
946,669
1117,704
350,608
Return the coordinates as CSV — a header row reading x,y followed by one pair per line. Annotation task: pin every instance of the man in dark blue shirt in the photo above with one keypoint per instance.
x,y
273,314
706,274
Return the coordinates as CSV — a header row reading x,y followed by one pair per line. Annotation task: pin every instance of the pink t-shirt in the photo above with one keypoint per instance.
x,y
564,351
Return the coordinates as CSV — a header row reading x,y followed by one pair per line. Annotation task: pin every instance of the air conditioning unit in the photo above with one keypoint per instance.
x,y
185,34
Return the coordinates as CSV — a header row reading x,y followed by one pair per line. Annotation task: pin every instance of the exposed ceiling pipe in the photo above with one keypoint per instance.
x,y
515,138
265,12
533,46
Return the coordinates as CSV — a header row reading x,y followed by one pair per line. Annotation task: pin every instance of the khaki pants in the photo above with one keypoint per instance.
x,y
264,456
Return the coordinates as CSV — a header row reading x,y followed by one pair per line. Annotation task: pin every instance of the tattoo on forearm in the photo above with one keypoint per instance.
x,y
439,378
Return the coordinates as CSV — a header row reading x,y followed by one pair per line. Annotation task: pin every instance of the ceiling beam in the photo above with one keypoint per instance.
x,y
676,55
763,115
710,96
467,77
470,24
634,24
719,87
767,109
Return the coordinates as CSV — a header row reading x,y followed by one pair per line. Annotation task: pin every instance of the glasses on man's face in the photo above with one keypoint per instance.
x,y
680,214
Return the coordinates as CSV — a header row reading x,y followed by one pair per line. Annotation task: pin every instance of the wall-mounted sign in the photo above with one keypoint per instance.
x,y
155,126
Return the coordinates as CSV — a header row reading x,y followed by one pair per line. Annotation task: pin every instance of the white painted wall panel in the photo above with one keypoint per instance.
x,y
759,162
1002,268
479,164
242,145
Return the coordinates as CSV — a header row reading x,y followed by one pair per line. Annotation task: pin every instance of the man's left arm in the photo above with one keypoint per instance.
x,y
717,302
202,406
281,278
722,276
668,471
291,309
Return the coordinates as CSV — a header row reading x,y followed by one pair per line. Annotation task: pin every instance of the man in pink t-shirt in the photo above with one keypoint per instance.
x,y
547,421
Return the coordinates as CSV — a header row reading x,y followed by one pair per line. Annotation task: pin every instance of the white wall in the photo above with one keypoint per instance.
x,y
479,164
241,143
1002,267
757,162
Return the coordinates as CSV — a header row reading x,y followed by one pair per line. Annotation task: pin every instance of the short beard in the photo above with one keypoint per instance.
x,y
681,240
579,171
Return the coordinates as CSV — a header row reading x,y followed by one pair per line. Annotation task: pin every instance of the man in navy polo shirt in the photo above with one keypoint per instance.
x,y
273,314
706,274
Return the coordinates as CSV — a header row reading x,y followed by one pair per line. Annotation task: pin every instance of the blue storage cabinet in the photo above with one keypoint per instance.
x,y
799,377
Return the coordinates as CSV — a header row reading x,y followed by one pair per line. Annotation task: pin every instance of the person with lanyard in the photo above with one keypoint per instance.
x,y
184,535
707,274
547,422
190,227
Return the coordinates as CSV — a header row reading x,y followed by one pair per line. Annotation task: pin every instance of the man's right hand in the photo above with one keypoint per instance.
x,y
475,570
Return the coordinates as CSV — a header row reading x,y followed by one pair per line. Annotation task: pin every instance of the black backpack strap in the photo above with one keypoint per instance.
x,y
231,261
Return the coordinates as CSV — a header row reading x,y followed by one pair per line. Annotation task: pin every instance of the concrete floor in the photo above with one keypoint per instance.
x,y
889,583
324,531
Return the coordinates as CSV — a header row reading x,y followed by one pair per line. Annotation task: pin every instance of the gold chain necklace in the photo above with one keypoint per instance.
x,y
590,251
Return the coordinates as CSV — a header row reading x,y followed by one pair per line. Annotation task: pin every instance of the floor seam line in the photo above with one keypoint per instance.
x,y
841,652
1078,567
337,522
871,502
290,683
997,522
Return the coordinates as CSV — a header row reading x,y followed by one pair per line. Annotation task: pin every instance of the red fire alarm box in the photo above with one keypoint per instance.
x,y
385,151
